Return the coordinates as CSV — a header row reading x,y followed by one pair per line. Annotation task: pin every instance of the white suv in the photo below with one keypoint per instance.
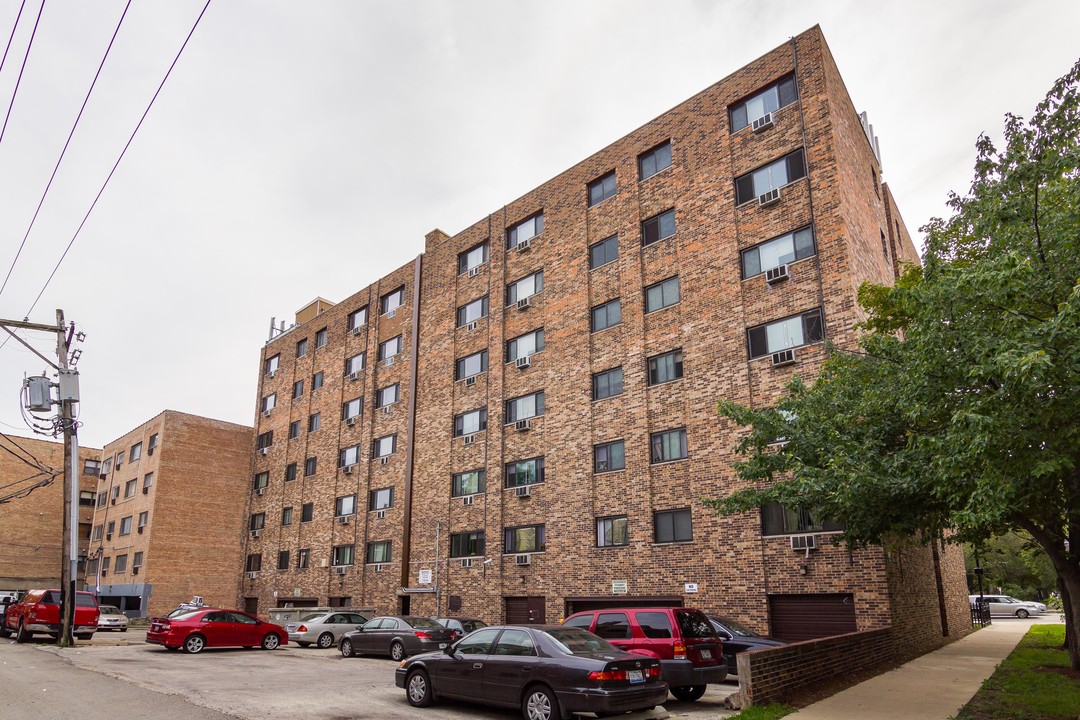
x,y
1010,606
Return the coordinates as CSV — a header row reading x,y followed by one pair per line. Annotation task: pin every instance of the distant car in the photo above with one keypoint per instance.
x,y
548,671
1003,605
738,638
112,619
323,629
397,636
39,612
461,626
213,627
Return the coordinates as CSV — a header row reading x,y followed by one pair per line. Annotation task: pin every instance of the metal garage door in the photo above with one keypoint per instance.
x,y
805,617
578,604
525,610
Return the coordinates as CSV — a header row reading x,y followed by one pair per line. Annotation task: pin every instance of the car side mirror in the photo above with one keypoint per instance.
x,y
723,635
449,650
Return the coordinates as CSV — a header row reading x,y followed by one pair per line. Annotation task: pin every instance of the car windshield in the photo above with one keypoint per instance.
x,y
575,641
109,610
183,614
422,622
470,625
736,628
694,625
311,616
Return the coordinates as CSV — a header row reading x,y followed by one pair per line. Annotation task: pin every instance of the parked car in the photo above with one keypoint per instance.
x,y
397,636
112,619
738,638
461,626
39,612
549,671
682,639
1010,606
213,627
323,628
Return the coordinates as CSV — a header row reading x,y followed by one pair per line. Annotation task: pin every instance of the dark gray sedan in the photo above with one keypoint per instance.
x,y
397,636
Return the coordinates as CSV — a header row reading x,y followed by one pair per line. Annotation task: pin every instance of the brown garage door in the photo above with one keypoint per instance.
x,y
578,604
525,610
805,617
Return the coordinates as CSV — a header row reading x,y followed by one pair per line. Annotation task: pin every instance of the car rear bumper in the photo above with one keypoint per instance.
x,y
682,672
303,637
602,700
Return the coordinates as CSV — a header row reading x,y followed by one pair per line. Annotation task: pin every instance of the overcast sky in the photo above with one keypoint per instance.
x,y
304,149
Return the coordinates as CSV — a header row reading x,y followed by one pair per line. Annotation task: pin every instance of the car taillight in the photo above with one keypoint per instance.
x,y
165,625
655,671
680,651
607,675
422,635
302,628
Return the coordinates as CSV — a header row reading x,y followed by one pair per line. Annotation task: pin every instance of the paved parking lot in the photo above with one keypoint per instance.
x,y
293,682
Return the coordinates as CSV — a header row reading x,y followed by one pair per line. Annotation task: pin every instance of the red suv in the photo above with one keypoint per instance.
x,y
689,650
39,612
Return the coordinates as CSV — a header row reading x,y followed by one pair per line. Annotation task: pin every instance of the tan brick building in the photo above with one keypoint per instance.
x,y
168,503
32,511
518,424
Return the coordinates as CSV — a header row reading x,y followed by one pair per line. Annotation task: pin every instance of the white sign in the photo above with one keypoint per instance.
x,y
425,577
690,588
619,587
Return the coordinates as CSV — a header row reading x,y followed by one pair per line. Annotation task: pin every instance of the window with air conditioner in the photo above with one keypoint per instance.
x,y
144,518
467,544
606,315
608,383
384,446
345,505
388,395
468,423
471,482
612,531
148,482
524,539
658,227
777,519
604,252
262,479
769,100
357,319
526,287
527,229
602,188
609,456
471,365
654,160
265,439
673,526
355,364
379,552
349,456
668,446
773,176
392,300
473,311
271,364
343,555
525,472
254,562
257,521
525,345
662,295
352,408
130,487
152,444
473,258
525,406
791,332
783,250
381,499
389,348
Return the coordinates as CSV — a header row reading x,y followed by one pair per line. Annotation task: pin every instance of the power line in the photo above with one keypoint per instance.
x,y
26,57
64,151
12,37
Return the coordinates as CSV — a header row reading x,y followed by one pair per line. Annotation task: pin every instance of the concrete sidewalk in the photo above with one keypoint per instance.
x,y
932,687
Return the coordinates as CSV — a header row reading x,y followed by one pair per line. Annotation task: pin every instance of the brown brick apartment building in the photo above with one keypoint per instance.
x,y
168,503
519,424
32,511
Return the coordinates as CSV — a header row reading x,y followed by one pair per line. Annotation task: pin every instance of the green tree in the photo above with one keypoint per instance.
x,y
960,417
1014,564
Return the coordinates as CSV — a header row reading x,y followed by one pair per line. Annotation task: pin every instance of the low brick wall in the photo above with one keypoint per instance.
x,y
773,674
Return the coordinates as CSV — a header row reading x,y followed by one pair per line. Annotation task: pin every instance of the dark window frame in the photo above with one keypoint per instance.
x,y
653,228
673,515
808,328
604,310
599,377
606,189
606,448
657,156
658,458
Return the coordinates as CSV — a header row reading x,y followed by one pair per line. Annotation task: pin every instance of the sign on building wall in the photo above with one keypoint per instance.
x,y
690,588
425,577
619,587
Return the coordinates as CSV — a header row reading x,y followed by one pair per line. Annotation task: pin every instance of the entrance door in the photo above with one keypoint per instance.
x,y
525,610
406,604
251,605
805,617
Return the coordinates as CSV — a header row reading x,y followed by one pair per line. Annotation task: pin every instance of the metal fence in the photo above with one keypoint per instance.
x,y
980,613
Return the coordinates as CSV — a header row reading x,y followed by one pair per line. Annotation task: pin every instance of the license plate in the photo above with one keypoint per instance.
x,y
635,676
706,654
442,646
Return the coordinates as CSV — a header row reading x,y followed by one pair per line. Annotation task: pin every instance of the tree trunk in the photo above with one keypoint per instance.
x,y
1065,605
1070,583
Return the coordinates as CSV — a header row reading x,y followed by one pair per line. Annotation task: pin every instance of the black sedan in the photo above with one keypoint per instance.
x,y
397,636
738,638
549,671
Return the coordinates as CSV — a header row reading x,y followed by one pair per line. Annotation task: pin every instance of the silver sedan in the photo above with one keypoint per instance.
x,y
111,618
323,629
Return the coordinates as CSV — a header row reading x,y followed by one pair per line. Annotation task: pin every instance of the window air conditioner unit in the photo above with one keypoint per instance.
x,y
271,374
113,501
351,420
135,570
391,313
141,528
264,451
108,536
150,451
390,361
384,460
803,542
348,469
256,533
252,575
339,569
266,413
770,198
523,362
378,568
784,357
260,490
524,491
470,381
146,491
522,425
762,123
471,326
343,519
354,376
523,560
474,271
467,500
469,439
380,514
356,330
776,274
386,409
523,245
466,562
104,573
523,303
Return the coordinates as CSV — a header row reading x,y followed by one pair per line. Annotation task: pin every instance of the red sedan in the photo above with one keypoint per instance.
x,y
212,627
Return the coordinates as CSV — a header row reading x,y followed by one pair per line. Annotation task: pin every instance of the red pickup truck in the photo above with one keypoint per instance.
x,y
39,612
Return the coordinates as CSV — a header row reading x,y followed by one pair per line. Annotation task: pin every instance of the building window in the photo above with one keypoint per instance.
x,y
294,429
92,467
343,555
653,161
525,472
525,539
673,526
309,466
658,227
612,532
470,422
107,466
147,481
467,544
779,520
120,564
119,459
130,487
384,446
606,315
388,395
115,493
472,312
472,258
102,498
290,472
257,522
662,295
303,557
665,368
92,567
144,518
105,565
269,402
602,188
775,175
298,389
254,562
345,505
769,100
317,381
86,498
525,230
472,482
471,365
783,250
314,421
604,252
355,364
283,560
525,345
357,318
110,529
381,499
136,452
301,348
668,445
286,516
261,480
352,408
526,406
390,348
378,552
307,512
884,245
272,364
607,384
609,456
791,332
320,338
392,300
526,287
96,533
151,445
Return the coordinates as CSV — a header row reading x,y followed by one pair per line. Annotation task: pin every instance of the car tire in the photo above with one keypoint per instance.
x,y
194,643
4,632
540,704
326,640
123,629
346,648
418,689
1022,614
303,644
271,642
21,635
689,693
397,651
